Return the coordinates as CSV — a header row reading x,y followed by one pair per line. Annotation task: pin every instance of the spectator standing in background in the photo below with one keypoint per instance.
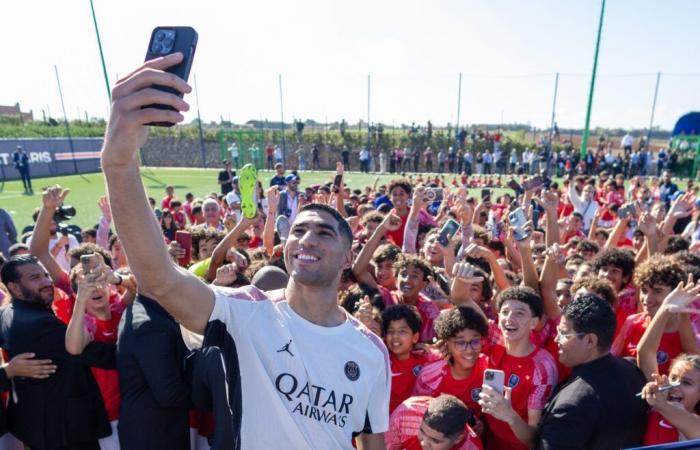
x,y
226,178
627,142
21,162
233,149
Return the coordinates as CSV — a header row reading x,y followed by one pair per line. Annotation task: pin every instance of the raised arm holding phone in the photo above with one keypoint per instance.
x,y
305,316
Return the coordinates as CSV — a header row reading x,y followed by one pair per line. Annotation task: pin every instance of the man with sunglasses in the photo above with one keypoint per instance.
x,y
596,407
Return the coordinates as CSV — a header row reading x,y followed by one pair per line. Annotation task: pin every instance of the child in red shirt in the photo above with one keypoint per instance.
x,y
461,373
656,278
435,423
530,373
94,317
401,325
675,412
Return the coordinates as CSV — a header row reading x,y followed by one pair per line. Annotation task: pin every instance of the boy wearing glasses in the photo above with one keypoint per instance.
x,y
462,371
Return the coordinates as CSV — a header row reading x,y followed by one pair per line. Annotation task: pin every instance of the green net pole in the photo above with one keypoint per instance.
x,y
584,140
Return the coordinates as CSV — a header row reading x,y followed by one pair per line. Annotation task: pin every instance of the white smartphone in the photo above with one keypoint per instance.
x,y
496,379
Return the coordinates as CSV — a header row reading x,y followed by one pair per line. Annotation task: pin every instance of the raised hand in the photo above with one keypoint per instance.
x,y
550,200
679,300
273,200
391,223
103,203
226,274
682,206
477,251
54,196
126,129
647,224
175,250
420,200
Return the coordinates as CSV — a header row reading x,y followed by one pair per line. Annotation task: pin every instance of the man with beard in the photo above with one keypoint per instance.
x,y
287,392
64,411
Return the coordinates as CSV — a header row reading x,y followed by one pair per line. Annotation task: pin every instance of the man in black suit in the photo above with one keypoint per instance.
x,y
21,162
64,411
596,407
155,396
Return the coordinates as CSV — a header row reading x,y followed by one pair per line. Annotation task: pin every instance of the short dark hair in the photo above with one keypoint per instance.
x,y
90,232
9,273
86,248
523,294
676,244
622,259
386,252
343,226
599,285
447,414
455,320
402,311
591,314
411,260
16,248
403,184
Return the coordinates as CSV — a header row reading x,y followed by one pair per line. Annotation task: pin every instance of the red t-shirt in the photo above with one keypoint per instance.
x,y
634,327
165,203
436,378
659,430
180,219
403,377
626,306
404,425
531,379
105,331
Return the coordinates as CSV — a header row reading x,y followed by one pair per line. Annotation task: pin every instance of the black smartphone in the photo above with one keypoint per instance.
x,y
167,40
486,195
533,183
337,181
447,231
515,186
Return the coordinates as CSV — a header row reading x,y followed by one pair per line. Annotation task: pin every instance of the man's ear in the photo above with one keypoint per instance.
x,y
15,289
348,258
592,340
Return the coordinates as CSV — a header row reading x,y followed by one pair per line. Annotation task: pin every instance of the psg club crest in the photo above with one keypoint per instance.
x,y
475,394
661,357
513,380
352,370
417,369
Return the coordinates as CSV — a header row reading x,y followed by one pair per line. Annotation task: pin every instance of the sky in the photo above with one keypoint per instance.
x,y
508,52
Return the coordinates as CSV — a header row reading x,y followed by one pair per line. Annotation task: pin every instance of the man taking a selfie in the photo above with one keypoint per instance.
x,y
289,393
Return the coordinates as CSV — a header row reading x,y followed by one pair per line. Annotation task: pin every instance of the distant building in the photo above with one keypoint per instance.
x,y
16,111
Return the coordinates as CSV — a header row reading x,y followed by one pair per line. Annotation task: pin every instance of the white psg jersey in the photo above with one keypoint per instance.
x,y
303,385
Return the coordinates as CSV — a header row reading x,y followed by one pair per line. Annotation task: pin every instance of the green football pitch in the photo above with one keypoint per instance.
x,y
85,190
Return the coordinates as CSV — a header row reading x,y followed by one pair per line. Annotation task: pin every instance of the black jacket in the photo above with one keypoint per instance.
x,y
155,397
65,409
596,408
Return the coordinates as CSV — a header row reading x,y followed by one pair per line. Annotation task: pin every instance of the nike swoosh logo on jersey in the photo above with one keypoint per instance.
x,y
664,424
396,374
